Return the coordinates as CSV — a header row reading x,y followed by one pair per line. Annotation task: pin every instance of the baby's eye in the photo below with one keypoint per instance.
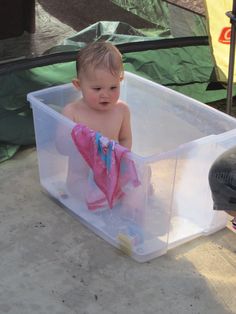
x,y
96,88
113,87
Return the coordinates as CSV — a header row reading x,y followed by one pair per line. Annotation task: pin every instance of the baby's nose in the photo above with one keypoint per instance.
x,y
104,93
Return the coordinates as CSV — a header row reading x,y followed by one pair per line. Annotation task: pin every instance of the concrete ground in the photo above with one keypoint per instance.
x,y
51,263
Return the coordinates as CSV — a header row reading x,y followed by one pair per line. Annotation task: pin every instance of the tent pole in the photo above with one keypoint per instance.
x,y
232,16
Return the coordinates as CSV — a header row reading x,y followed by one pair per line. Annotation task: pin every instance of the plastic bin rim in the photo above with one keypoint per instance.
x,y
194,102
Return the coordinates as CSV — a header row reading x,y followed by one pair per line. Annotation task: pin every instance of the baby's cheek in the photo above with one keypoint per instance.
x,y
116,95
93,97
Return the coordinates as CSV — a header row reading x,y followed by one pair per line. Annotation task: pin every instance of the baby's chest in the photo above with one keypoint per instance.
x,y
109,124
109,128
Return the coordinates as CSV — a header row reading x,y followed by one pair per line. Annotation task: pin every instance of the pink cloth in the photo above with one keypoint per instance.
x,y
113,170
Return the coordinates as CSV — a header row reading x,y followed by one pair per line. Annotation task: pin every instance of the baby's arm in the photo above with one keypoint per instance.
x,y
125,135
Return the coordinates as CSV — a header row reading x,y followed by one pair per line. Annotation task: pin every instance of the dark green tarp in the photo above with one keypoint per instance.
x,y
16,121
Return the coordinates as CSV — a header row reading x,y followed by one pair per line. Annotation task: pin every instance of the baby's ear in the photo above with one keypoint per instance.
x,y
76,83
121,76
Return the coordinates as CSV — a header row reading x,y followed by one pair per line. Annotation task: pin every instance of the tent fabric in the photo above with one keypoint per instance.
x,y
56,22
188,65
167,16
116,32
191,72
153,11
219,28
7,151
16,121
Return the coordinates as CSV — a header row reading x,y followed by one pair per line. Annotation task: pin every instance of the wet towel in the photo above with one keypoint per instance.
x,y
113,169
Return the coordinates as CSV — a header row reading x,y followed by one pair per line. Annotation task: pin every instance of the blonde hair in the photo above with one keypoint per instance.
x,y
100,54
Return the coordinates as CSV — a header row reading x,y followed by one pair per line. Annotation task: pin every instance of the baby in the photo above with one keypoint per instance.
x,y
99,73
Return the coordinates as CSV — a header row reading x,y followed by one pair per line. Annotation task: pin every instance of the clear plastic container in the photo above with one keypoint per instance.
x,y
175,141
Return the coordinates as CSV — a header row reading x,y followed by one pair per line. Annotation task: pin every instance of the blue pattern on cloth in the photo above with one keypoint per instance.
x,y
104,149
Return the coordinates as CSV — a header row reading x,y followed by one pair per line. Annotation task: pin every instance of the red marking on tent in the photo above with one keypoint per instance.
x,y
225,35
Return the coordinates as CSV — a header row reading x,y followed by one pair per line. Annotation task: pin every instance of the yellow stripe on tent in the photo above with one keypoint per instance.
x,y
219,29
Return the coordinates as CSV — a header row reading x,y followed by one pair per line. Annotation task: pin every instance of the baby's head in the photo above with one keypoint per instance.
x,y
99,55
99,72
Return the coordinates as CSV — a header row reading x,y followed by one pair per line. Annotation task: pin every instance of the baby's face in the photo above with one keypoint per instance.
x,y
100,89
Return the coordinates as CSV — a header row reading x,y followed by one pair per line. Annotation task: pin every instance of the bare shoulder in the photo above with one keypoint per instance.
x,y
123,106
70,109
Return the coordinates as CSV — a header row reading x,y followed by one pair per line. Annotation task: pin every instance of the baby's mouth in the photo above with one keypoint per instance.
x,y
104,103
